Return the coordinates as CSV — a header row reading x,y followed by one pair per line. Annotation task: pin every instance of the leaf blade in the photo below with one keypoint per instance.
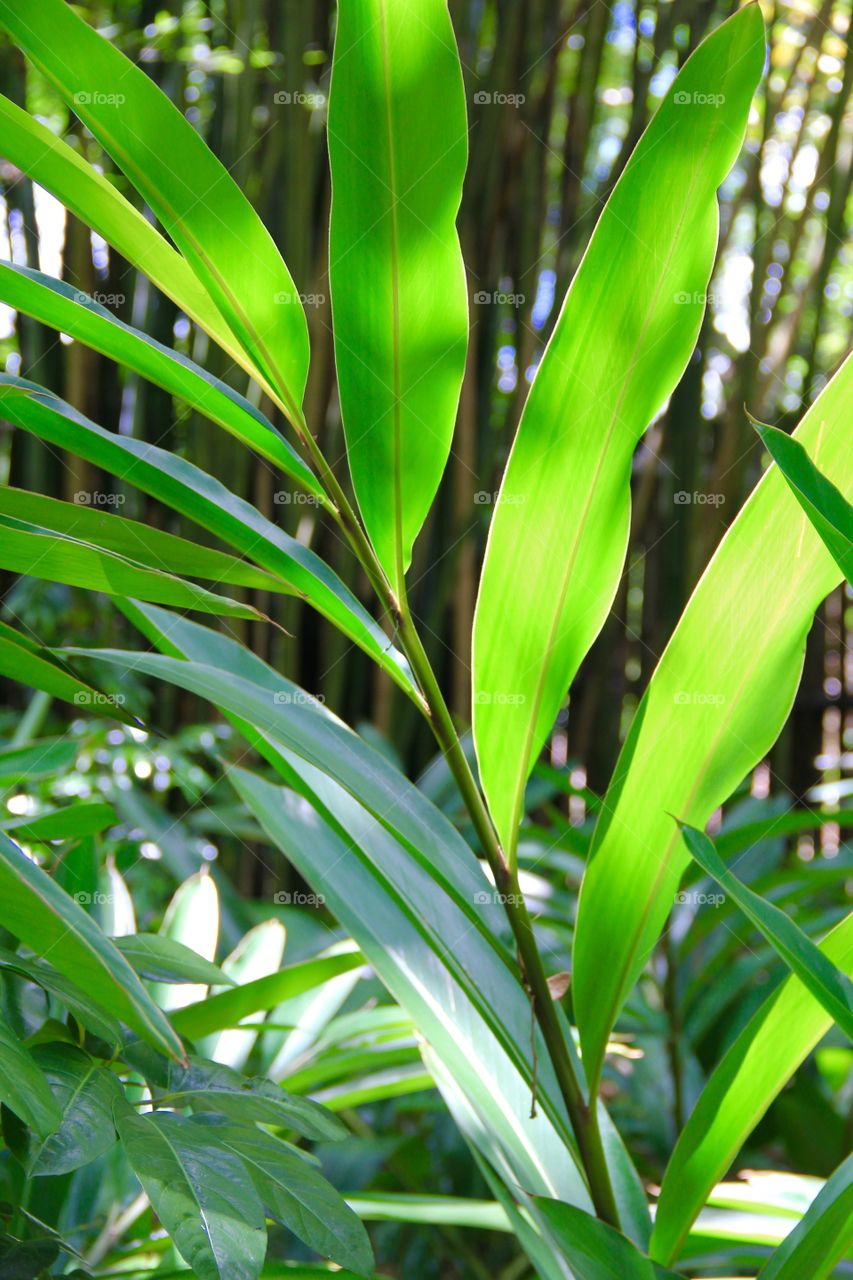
x,y
398,144
717,699
827,984
192,193
617,352
37,911
756,1068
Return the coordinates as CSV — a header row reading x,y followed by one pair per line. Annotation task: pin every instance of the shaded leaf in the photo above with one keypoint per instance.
x,y
398,147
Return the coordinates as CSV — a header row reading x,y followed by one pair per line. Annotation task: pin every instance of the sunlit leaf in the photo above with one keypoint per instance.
x,y
628,325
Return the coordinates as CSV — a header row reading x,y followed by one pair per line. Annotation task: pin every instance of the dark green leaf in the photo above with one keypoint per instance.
x,y
202,1195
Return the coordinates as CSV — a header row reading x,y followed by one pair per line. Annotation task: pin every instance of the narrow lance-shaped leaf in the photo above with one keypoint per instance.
x,y
79,1003
59,557
86,1093
595,1250
23,659
23,1086
714,706
189,189
70,822
61,170
827,984
140,542
201,1193
163,959
227,1009
191,920
49,922
297,1195
629,323
754,1071
398,146
822,1237
407,875
63,307
829,511
257,955
197,495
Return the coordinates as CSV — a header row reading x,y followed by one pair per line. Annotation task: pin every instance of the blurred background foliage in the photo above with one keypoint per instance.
x,y
558,92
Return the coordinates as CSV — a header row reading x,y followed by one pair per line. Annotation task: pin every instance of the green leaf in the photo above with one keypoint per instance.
x,y
713,708
211,1086
191,192
823,1236
202,1195
163,959
27,548
756,1068
192,919
23,660
39,759
27,1259
86,1093
398,147
829,511
51,923
392,866
201,498
466,1001
827,984
78,1003
72,822
628,325
65,308
54,165
23,1087
257,955
137,541
219,1012
297,1196
595,1250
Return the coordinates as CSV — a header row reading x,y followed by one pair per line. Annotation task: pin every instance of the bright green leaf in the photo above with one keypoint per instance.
x,y
713,708
827,984
398,146
191,192
47,920
628,325
829,511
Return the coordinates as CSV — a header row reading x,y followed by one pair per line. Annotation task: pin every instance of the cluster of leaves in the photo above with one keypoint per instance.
x,y
189,1127
451,938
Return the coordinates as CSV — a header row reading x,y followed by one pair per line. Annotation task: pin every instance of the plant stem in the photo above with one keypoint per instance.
x,y
583,1117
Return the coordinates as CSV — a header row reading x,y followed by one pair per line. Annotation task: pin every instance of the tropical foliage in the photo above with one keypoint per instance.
x,y
505,965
